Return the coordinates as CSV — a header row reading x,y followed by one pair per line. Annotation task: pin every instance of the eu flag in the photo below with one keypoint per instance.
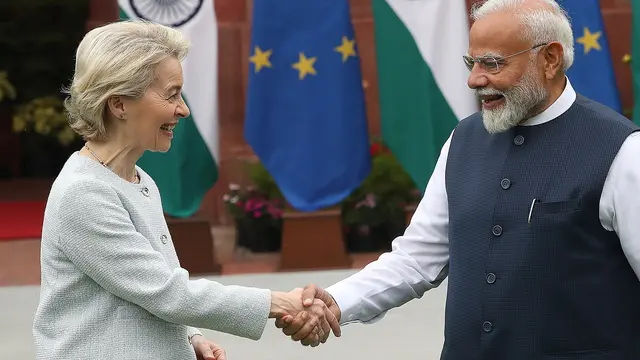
x,y
305,114
592,71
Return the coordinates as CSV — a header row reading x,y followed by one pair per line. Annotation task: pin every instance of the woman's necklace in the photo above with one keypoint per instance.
x,y
136,178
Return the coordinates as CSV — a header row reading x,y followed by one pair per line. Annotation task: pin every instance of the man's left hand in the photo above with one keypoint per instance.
x,y
207,350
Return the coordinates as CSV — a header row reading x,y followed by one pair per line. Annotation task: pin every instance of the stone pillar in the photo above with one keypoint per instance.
x,y
101,12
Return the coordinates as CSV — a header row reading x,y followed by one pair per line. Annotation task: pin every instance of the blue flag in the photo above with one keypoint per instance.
x,y
305,115
592,71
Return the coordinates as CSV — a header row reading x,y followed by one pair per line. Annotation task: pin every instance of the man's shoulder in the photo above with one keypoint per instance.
x,y
474,119
594,110
469,126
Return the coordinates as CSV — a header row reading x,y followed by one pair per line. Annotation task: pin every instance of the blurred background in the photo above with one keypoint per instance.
x,y
315,148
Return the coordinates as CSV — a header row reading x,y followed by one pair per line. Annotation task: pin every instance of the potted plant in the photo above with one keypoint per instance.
x,y
374,214
257,212
46,136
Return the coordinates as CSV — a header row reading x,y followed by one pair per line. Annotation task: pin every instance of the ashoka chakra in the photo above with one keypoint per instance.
x,y
167,12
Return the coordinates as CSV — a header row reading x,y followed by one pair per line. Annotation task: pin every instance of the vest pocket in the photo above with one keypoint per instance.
x,y
602,354
555,207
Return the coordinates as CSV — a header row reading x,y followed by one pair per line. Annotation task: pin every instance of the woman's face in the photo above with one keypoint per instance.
x,y
151,119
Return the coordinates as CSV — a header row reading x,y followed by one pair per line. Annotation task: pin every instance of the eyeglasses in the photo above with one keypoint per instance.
x,y
491,64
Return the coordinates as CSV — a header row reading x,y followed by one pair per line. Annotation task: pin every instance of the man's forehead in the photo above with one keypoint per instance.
x,y
497,34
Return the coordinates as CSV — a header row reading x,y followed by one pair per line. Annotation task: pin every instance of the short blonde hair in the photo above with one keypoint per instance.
x,y
116,59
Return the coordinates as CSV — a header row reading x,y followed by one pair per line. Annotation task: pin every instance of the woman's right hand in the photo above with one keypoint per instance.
x,y
319,320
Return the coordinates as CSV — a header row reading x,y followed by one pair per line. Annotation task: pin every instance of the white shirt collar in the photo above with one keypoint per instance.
x,y
562,104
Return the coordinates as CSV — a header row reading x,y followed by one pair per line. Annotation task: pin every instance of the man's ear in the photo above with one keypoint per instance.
x,y
554,57
116,106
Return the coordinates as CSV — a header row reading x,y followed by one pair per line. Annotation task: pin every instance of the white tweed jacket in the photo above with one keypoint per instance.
x,y
111,283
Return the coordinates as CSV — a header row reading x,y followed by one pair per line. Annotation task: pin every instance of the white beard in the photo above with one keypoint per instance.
x,y
519,100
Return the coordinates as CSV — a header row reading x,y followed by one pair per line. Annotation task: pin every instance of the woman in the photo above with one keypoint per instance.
x,y
111,284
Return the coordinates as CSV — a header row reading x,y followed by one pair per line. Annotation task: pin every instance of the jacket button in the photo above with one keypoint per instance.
x,y
145,191
505,183
497,230
163,238
487,326
518,140
491,278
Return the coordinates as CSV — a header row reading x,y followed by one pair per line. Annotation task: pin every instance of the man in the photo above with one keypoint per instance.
x,y
531,212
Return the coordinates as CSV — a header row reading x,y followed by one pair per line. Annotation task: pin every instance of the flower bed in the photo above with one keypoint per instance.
x,y
372,216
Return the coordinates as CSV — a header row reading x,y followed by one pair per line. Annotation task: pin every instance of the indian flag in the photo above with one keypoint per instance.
x,y
188,170
422,78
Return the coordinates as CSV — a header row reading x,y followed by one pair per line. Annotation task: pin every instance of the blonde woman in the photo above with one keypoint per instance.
x,y
111,283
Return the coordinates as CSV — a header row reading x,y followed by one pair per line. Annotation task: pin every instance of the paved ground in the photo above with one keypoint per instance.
x,y
413,331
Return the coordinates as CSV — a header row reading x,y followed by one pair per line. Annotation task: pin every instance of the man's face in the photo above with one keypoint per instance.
x,y
514,89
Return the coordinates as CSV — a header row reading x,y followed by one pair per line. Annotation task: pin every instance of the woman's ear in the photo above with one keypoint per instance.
x,y
116,106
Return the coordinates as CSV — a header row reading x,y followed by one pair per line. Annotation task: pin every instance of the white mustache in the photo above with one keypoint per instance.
x,y
488,92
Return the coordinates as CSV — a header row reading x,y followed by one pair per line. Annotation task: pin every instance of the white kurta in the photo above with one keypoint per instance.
x,y
419,258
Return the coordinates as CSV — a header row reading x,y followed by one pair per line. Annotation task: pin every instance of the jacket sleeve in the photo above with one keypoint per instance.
x,y
418,262
193,331
98,236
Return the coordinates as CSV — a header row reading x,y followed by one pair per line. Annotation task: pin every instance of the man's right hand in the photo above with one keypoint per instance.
x,y
294,327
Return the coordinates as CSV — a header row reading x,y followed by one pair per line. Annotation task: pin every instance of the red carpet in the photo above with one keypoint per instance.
x,y
21,220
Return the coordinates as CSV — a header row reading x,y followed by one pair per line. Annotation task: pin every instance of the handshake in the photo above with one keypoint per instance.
x,y
307,315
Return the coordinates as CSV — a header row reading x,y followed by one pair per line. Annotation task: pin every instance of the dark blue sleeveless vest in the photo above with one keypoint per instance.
x,y
542,283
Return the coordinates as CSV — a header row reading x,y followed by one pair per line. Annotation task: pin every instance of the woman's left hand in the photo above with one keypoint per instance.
x,y
207,350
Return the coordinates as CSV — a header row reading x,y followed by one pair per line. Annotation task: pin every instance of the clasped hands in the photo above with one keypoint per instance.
x,y
307,315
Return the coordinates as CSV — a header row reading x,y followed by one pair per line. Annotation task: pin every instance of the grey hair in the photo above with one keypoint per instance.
x,y
545,24
117,59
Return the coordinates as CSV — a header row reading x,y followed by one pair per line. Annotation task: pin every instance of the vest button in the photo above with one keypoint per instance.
x,y
163,238
505,183
487,326
518,140
491,278
497,230
145,191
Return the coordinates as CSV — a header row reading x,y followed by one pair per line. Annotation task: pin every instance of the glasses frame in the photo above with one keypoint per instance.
x,y
483,61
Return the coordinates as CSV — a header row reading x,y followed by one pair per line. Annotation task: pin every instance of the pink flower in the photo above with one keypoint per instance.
x,y
256,214
364,230
255,204
274,211
369,201
251,205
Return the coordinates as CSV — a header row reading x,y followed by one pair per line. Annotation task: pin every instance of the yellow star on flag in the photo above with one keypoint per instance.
x,y
305,66
346,48
260,59
589,40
